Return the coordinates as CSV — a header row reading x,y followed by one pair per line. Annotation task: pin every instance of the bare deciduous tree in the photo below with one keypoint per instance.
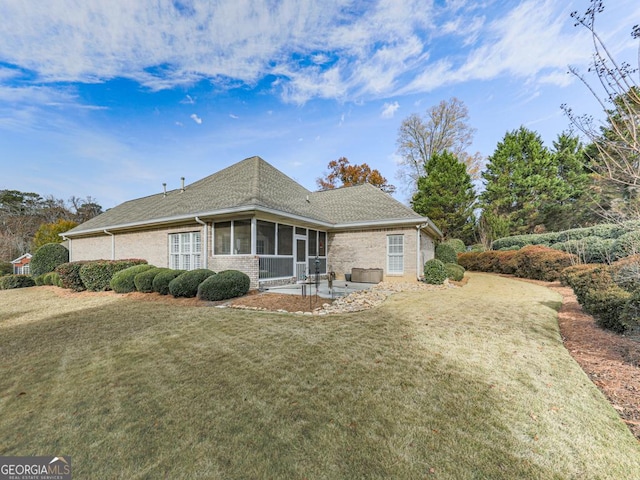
x,y
443,127
616,140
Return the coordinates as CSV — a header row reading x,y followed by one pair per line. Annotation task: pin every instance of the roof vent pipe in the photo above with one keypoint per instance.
x,y
164,187
182,188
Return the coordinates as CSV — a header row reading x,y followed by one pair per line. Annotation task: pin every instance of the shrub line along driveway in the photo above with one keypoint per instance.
x,y
458,383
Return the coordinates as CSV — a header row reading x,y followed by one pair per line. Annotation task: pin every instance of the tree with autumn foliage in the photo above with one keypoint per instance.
x,y
50,232
343,174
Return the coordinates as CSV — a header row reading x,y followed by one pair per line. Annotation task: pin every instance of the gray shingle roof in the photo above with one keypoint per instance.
x,y
255,184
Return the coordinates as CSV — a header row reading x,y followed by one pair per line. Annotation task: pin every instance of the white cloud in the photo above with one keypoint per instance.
x,y
188,100
389,109
335,49
235,117
196,118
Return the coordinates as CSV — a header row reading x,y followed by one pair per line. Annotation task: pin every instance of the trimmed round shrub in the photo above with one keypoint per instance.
x,y
477,247
51,278
47,258
144,280
39,280
161,280
9,282
123,281
96,275
625,245
70,275
446,253
456,244
454,271
226,284
435,272
186,285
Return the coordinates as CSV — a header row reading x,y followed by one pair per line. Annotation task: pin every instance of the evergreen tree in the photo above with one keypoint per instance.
x,y
576,202
521,179
445,194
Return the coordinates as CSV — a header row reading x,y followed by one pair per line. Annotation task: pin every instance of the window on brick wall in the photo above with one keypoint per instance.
x,y
395,254
185,250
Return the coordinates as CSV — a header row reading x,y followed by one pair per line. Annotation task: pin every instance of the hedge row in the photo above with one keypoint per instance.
x,y
615,241
611,293
70,275
96,275
8,282
123,276
535,262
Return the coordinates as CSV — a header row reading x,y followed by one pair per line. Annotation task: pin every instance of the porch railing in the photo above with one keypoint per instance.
x,y
275,267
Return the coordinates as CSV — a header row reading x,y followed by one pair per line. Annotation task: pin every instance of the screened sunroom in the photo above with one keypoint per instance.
x,y
283,251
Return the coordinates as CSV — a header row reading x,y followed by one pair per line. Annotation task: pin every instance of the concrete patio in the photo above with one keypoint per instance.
x,y
340,288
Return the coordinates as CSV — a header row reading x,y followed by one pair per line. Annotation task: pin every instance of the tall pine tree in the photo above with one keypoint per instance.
x,y
445,194
521,179
575,205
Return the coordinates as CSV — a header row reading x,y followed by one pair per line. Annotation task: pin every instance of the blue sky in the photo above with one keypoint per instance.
x,y
111,98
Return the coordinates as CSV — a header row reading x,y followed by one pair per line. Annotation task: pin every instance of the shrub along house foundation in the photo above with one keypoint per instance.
x,y
253,218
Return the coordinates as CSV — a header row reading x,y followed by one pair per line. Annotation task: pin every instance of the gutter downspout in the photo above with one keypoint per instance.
x,y
113,244
418,230
67,239
205,263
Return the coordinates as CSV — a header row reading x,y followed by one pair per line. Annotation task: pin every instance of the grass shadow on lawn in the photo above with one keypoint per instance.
x,y
140,390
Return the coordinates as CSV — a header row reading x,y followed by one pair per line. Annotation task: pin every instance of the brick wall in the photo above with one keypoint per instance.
x,y
368,249
245,263
92,248
151,245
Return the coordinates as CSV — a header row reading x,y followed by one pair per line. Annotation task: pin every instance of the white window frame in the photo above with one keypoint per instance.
x,y
395,255
185,250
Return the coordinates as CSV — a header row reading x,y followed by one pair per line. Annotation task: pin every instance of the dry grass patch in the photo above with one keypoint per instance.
x,y
470,382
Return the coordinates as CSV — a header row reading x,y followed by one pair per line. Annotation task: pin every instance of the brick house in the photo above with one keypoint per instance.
x,y
22,264
252,217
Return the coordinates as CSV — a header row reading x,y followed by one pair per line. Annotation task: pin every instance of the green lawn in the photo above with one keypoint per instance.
x,y
469,382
